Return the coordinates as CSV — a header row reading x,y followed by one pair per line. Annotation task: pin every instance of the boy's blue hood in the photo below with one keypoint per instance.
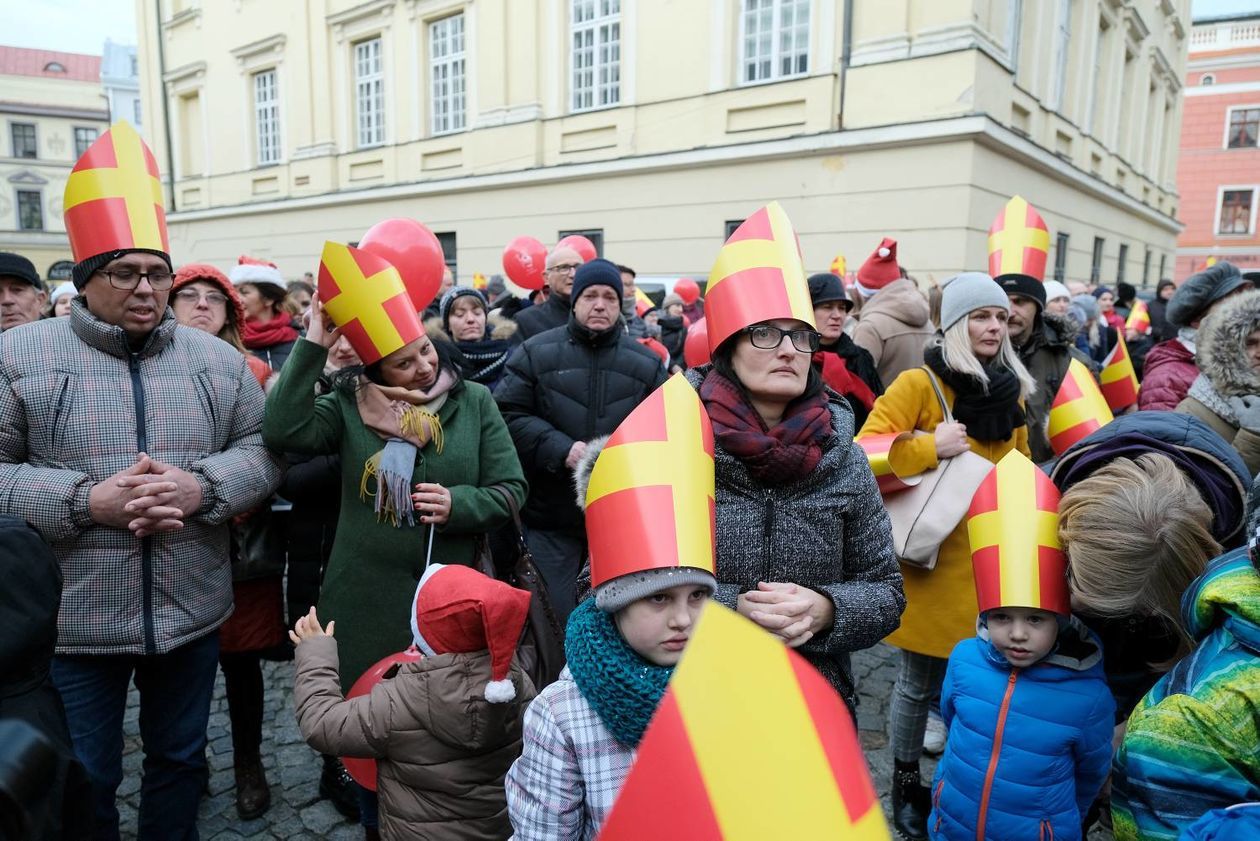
x,y
1077,648
1227,594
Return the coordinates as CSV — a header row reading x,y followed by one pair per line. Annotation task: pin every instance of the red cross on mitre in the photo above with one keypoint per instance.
x,y
1018,241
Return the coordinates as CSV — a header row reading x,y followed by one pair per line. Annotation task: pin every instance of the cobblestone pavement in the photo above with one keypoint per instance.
x,y
293,768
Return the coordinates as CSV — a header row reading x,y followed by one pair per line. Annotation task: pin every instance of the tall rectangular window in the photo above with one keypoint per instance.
x,y
135,110
731,226
446,70
83,138
1122,262
369,93
776,39
1062,51
1163,264
447,241
1146,267
1060,256
30,210
1097,90
1095,263
1014,23
23,135
596,53
1236,211
1244,128
266,118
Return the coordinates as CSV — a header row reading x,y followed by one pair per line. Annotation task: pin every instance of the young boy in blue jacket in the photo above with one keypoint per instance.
x,y
1027,706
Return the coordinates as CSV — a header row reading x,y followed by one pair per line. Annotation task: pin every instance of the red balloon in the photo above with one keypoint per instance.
x,y
583,246
696,347
687,289
412,249
524,260
364,770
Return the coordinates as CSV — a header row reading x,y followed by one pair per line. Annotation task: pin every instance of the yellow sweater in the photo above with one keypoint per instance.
x,y
941,603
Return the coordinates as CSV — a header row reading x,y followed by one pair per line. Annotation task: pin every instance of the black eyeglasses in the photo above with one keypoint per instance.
x,y
769,337
130,279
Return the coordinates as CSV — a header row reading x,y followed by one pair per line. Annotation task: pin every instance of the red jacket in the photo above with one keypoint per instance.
x,y
1169,372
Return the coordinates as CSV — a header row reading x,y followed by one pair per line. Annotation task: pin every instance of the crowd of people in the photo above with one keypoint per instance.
x,y
202,470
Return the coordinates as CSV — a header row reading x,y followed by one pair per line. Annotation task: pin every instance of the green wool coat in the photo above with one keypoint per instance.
x,y
372,574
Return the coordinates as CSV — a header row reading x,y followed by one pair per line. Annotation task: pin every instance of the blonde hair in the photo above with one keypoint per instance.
x,y
1136,533
955,345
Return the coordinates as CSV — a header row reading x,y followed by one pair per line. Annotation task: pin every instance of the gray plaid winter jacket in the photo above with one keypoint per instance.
x,y
76,406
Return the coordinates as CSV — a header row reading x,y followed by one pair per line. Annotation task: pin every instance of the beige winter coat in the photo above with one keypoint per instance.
x,y
443,749
894,327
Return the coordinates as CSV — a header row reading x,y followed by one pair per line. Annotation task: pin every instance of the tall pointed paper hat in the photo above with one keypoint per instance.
x,y
1118,379
1013,525
758,276
649,500
740,708
113,197
1078,410
366,298
1019,243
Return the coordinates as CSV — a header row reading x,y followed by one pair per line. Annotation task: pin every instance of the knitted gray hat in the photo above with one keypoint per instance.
x,y
970,291
448,301
625,590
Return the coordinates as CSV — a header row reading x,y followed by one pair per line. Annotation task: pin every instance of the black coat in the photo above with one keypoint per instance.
x,y
550,314
674,337
567,385
29,600
861,364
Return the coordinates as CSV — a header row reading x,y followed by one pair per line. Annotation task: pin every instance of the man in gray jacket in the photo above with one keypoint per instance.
x,y
129,442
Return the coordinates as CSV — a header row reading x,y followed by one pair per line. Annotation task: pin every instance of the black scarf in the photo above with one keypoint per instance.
x,y
990,414
486,359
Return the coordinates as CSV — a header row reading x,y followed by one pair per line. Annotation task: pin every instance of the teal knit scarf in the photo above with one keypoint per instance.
x,y
622,687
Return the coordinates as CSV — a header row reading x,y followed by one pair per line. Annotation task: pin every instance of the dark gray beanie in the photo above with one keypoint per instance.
x,y
597,271
84,269
1202,290
624,590
448,300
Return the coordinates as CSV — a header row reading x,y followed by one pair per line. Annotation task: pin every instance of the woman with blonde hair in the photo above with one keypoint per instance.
x,y
981,378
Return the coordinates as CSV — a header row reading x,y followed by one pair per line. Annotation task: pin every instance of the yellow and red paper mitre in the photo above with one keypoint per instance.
x,y
838,266
1118,380
1078,410
113,197
741,710
1139,320
649,500
365,296
1013,525
758,277
878,449
1019,242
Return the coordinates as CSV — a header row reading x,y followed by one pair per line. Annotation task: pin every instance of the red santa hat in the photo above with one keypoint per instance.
x,y
252,270
457,610
880,269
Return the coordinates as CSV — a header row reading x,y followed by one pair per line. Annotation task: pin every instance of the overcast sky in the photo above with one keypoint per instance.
x,y
81,26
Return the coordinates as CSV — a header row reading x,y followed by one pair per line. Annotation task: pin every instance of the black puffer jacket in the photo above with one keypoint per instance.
x,y
1047,356
567,385
550,314
29,601
674,337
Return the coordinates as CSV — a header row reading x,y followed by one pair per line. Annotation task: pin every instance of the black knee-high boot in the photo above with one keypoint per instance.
x,y
911,801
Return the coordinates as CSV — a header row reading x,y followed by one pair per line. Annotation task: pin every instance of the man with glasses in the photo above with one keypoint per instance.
x,y
561,389
129,442
561,267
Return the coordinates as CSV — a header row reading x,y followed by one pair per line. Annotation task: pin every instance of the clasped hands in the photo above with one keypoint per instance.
x,y
792,613
148,497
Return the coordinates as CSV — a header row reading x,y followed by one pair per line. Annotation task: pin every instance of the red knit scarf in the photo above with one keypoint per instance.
x,y
783,454
843,381
261,334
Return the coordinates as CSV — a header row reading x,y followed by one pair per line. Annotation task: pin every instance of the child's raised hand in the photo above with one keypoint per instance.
x,y
308,626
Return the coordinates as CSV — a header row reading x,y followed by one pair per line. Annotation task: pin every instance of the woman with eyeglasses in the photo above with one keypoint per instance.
x,y
803,544
203,298
983,382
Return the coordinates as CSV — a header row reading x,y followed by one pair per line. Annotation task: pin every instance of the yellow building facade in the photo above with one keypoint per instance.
x,y
655,125
51,109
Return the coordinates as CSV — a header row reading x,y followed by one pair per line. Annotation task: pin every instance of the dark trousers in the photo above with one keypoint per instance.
x,y
559,555
243,686
175,692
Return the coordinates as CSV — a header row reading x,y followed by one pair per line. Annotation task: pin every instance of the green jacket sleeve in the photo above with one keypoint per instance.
x,y
475,509
296,420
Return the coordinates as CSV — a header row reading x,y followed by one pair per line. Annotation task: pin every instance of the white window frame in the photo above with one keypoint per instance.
x,y
96,133
776,41
1254,189
17,207
1062,55
369,92
1014,25
603,27
448,75
1207,79
268,149
1229,118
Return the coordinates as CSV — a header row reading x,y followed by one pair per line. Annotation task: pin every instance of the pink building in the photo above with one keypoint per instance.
x,y
1218,171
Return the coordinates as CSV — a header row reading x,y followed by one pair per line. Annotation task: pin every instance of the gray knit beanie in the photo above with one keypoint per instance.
x,y
967,292
625,590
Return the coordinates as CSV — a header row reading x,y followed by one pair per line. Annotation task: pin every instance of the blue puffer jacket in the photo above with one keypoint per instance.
x,y
1028,749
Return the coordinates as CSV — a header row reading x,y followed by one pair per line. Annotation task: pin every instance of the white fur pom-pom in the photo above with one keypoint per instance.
x,y
500,691
884,252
